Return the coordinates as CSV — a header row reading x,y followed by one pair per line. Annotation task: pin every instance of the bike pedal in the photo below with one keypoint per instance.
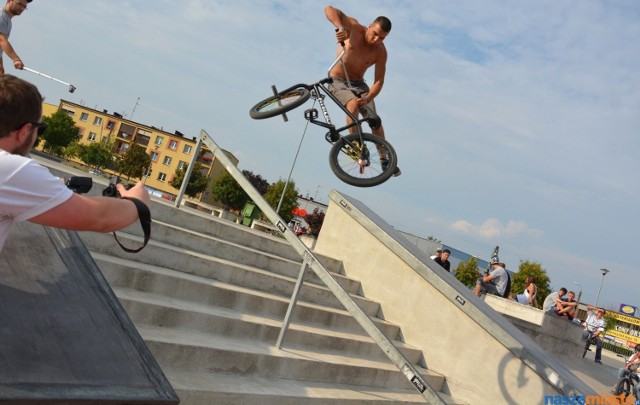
x,y
311,114
371,117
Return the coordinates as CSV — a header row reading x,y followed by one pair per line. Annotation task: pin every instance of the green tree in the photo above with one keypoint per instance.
x,y
467,272
96,155
257,181
74,149
434,239
227,190
315,220
609,321
289,202
526,269
61,131
134,162
197,182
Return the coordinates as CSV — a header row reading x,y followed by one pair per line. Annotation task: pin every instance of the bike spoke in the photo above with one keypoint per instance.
x,y
361,161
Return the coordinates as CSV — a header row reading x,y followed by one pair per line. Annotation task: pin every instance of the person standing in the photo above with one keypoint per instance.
x,y
29,192
443,259
594,328
364,48
10,10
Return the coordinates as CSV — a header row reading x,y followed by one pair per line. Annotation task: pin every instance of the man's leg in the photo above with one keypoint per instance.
x,y
598,350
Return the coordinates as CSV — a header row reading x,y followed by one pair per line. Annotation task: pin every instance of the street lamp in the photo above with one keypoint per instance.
x,y
579,295
604,273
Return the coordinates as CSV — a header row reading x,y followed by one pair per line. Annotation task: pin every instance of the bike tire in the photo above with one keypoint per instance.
x,y
276,105
343,161
624,387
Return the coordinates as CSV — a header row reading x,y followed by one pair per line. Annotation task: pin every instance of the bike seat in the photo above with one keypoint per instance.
x,y
372,118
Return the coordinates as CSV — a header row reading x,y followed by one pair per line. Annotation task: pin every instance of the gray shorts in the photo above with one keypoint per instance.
x,y
489,288
343,93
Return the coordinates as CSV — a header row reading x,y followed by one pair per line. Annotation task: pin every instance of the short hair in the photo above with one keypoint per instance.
x,y
20,102
446,251
564,290
384,23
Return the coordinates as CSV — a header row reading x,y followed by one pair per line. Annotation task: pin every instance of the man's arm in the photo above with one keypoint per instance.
x,y
378,78
100,214
343,23
10,52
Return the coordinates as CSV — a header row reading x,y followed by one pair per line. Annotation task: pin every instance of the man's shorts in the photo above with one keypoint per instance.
x,y
489,288
340,89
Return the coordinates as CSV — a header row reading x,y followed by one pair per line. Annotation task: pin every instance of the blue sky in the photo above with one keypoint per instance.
x,y
516,122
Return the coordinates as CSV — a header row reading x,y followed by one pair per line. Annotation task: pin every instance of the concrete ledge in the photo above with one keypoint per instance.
x,y
552,333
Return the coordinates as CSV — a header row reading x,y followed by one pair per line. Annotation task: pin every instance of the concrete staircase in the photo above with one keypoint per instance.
x,y
208,296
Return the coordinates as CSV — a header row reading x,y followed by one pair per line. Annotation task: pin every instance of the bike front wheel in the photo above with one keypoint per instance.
x,y
363,164
624,387
280,104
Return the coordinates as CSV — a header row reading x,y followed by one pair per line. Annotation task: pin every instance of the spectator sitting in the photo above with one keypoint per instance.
x,y
550,302
528,297
496,282
437,254
566,308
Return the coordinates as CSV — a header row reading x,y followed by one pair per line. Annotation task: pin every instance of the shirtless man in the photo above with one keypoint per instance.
x,y
10,10
364,49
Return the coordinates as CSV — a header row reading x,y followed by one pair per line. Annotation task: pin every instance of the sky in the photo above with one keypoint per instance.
x,y
515,122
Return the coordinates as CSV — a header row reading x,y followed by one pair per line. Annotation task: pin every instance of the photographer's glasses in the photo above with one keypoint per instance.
x,y
42,126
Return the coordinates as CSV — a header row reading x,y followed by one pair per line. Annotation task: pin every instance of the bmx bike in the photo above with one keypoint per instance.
x,y
359,159
628,385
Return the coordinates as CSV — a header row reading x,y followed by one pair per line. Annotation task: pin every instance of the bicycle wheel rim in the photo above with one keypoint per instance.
x,y
273,106
624,387
345,164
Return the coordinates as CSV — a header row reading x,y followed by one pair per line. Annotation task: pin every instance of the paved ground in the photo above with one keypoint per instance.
x,y
600,377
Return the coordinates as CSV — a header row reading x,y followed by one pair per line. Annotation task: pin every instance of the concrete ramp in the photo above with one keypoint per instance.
x,y
63,335
484,357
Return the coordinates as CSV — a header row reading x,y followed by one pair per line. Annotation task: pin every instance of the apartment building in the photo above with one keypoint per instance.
x,y
168,151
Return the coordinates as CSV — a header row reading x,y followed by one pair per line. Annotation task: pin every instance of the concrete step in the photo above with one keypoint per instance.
x,y
170,253
156,310
202,290
213,388
197,351
240,275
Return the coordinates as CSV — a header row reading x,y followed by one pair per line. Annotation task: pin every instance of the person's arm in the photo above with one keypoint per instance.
x,y
10,52
343,23
488,277
100,214
378,78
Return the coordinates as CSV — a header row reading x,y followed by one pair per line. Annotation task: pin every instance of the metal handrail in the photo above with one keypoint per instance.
x,y
310,260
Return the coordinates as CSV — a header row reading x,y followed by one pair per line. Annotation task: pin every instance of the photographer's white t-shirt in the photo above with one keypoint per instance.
x,y
26,191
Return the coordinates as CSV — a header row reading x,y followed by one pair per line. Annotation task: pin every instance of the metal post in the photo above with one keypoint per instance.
x,y
604,273
292,304
579,295
185,181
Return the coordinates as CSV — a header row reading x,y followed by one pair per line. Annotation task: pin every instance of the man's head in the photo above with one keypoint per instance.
x,y
562,292
438,252
599,313
571,296
16,7
445,254
378,30
20,112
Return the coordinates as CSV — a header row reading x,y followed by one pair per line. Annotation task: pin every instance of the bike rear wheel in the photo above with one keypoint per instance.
x,y
345,159
280,104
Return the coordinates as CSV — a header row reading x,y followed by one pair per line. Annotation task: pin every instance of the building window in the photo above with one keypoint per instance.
x,y
187,149
70,113
84,116
167,161
159,140
173,145
111,124
162,177
154,156
91,137
97,121
182,165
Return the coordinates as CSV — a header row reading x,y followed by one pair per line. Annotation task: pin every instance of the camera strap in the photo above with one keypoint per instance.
x,y
145,221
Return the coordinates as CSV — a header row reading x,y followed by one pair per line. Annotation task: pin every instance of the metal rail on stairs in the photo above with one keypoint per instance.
x,y
309,260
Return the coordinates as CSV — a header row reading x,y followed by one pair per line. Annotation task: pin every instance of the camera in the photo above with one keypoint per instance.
x,y
111,190
79,185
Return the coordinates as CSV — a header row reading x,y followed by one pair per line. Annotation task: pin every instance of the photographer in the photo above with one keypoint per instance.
x,y
29,192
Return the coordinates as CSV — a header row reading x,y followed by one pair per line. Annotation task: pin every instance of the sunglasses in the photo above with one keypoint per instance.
x,y
42,126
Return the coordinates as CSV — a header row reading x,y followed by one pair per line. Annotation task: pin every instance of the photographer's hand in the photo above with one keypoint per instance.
x,y
138,191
